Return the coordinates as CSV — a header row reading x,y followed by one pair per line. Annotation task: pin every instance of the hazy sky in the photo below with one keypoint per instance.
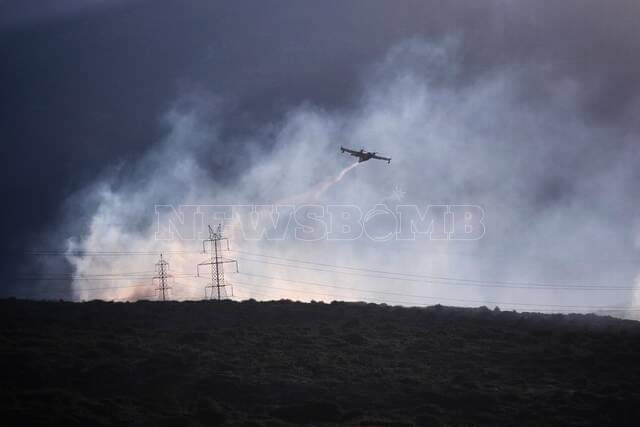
x,y
526,107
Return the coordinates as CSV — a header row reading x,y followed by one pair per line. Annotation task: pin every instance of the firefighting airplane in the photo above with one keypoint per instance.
x,y
363,156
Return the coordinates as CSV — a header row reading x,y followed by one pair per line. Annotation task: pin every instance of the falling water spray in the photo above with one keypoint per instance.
x,y
315,193
324,186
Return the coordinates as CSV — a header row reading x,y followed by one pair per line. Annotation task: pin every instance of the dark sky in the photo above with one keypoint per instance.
x,y
84,84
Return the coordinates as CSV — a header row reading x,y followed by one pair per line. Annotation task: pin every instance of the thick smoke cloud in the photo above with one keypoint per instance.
x,y
84,87
557,200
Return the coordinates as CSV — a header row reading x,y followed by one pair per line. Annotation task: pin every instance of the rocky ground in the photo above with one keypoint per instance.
x,y
278,363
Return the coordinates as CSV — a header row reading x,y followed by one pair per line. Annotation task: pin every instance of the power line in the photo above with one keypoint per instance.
x,y
413,303
49,292
429,297
217,278
95,253
73,278
425,276
156,253
129,273
447,281
493,283
337,286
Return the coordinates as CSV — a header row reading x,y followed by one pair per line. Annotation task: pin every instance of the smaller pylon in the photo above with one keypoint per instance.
x,y
162,278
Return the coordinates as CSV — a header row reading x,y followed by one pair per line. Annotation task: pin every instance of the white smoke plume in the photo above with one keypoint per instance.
x,y
556,199
316,193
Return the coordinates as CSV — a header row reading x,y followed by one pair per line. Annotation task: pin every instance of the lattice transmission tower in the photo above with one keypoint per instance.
x,y
162,279
217,286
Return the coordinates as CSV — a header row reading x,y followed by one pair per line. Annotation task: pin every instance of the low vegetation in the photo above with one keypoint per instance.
x,y
279,363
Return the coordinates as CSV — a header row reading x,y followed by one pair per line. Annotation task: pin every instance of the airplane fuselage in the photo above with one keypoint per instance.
x,y
363,155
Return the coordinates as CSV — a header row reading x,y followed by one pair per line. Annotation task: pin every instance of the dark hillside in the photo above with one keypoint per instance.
x,y
272,363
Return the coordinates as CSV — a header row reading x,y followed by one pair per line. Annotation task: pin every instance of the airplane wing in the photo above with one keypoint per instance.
x,y
388,159
349,151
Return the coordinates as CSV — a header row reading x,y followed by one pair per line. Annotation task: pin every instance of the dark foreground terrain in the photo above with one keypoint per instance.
x,y
250,363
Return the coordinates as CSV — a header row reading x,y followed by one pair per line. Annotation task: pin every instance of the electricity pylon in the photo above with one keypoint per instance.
x,y
163,275
216,263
